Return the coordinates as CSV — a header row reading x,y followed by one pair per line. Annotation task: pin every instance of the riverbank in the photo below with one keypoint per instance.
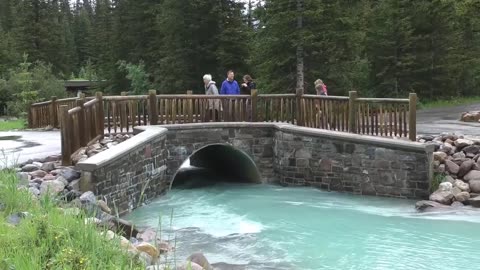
x,y
456,166
55,226
45,233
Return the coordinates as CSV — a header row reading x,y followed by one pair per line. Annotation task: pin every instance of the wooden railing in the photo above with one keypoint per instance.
x,y
81,126
84,120
46,113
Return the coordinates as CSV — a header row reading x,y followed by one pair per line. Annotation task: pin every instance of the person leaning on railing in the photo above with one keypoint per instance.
x,y
213,104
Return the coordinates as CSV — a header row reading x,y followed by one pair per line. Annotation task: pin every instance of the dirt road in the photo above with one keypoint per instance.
x,y
438,120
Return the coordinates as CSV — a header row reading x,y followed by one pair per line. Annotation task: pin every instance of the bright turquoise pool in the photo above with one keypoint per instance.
x,y
270,227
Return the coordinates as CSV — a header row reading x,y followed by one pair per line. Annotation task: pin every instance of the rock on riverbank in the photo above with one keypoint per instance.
x,y
456,164
473,116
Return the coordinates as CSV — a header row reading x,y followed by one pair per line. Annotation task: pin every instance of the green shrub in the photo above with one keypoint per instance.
x,y
29,83
438,178
50,239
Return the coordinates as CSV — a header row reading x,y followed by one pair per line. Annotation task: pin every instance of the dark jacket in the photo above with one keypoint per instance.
x,y
248,90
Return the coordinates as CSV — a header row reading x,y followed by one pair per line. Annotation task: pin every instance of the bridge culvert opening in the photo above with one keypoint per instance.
x,y
216,163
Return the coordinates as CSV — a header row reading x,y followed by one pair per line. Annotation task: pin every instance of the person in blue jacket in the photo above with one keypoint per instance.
x,y
230,86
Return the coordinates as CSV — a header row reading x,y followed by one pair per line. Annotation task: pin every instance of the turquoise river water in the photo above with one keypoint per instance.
x,y
271,227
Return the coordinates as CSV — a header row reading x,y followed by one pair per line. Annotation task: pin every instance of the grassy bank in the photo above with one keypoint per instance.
x,y
12,124
47,238
454,101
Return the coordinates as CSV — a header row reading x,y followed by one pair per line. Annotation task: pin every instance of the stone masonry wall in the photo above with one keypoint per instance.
x,y
354,167
255,142
133,178
283,153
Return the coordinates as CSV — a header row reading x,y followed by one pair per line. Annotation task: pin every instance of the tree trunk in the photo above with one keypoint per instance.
x,y
300,73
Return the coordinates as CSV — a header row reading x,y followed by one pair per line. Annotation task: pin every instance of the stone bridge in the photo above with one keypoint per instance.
x,y
145,166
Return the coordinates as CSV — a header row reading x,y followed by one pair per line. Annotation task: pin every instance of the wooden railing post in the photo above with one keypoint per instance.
x,y
83,130
253,104
64,127
412,117
190,107
53,112
352,111
298,110
152,107
100,114
30,116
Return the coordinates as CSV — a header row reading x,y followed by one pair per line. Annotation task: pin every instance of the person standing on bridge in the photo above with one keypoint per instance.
x,y
230,86
321,88
213,104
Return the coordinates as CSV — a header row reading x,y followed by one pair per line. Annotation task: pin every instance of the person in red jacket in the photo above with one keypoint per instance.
x,y
321,88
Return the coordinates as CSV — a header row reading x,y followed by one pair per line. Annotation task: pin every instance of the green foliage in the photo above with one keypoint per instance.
x,y
450,102
12,124
48,238
137,76
438,178
379,48
29,83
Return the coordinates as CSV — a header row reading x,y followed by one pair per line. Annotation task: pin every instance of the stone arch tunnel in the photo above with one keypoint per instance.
x,y
216,163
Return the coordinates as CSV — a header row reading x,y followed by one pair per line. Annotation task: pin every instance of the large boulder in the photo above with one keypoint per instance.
x,y
461,185
443,197
48,166
449,179
452,167
465,167
461,143
88,198
103,206
429,205
200,259
473,116
185,266
472,149
472,175
149,249
38,174
462,196
440,156
29,168
475,202
445,186
474,186
459,156
70,174
447,148
51,187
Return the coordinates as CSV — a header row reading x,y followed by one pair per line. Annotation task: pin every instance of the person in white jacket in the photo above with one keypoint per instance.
x,y
213,104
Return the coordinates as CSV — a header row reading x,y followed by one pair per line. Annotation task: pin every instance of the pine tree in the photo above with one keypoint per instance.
x,y
390,47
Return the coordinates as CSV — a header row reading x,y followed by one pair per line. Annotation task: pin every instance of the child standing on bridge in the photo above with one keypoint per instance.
x,y
321,88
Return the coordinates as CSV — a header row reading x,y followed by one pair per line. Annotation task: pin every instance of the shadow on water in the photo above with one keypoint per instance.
x,y
10,138
216,163
17,138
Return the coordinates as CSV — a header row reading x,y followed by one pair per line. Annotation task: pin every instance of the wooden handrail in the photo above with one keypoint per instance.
x,y
203,97
74,110
85,119
123,98
90,103
384,100
325,97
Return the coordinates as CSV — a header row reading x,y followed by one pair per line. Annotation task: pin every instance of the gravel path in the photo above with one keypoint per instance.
x,y
438,120
20,146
